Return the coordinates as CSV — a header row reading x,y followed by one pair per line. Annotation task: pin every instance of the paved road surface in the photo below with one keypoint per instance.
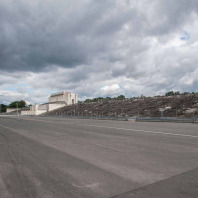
x,y
67,158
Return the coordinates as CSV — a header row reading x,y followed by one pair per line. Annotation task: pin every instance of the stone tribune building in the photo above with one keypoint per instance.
x,y
64,96
55,101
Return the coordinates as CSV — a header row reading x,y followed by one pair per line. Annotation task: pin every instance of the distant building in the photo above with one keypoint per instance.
x,y
55,101
10,110
64,96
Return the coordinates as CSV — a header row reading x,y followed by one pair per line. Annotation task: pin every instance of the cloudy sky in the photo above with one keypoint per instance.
x,y
97,48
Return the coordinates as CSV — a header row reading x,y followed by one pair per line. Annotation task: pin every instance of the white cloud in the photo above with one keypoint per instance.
x,y
111,90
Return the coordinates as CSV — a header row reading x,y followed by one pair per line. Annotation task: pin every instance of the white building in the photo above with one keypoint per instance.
x,y
64,96
9,110
56,101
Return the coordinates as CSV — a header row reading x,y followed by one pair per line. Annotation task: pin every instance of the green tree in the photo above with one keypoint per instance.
x,y
3,108
186,93
170,93
177,93
121,97
18,104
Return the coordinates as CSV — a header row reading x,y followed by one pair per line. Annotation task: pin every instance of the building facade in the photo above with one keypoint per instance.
x,y
55,101
64,96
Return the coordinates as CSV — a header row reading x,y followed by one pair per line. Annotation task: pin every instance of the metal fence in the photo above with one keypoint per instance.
x,y
88,117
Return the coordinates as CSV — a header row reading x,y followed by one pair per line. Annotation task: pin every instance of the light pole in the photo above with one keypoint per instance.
x,y
0,105
193,116
161,112
17,109
148,113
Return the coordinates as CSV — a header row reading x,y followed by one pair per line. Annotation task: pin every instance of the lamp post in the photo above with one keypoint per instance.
x,y
0,105
148,113
17,109
161,112
193,116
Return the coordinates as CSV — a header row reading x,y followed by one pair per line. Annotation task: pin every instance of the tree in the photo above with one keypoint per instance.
x,y
88,100
18,104
186,93
3,108
170,93
177,93
108,98
121,97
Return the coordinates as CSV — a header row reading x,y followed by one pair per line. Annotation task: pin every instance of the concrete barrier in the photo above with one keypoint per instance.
x,y
88,117
166,119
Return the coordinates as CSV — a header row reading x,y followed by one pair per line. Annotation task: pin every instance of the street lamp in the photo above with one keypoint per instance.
x,y
0,105
148,113
17,109
161,112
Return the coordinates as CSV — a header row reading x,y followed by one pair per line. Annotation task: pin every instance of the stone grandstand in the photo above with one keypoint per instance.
x,y
172,106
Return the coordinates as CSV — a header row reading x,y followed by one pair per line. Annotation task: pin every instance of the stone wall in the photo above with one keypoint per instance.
x,y
173,106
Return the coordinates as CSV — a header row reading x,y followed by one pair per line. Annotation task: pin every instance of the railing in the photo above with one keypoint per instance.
x,y
88,117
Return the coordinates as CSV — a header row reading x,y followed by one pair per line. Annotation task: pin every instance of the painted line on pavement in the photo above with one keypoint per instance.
x,y
117,128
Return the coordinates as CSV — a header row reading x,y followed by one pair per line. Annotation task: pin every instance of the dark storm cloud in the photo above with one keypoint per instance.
x,y
32,40
39,34
36,35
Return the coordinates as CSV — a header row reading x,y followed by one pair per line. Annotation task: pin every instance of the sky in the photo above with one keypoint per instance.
x,y
97,48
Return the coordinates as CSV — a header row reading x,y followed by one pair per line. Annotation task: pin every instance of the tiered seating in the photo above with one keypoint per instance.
x,y
147,106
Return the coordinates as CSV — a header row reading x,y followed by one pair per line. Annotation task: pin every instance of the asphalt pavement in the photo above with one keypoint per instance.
x,y
46,157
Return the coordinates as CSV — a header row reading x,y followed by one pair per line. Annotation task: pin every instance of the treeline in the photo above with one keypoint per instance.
x,y
172,93
122,97
15,104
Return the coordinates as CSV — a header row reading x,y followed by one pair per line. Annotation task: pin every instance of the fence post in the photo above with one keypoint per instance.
x,y
193,116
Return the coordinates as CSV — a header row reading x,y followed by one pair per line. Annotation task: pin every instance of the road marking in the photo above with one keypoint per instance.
x,y
143,131
117,128
86,186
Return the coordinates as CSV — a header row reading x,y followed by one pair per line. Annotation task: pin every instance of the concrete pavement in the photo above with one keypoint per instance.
x,y
57,157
